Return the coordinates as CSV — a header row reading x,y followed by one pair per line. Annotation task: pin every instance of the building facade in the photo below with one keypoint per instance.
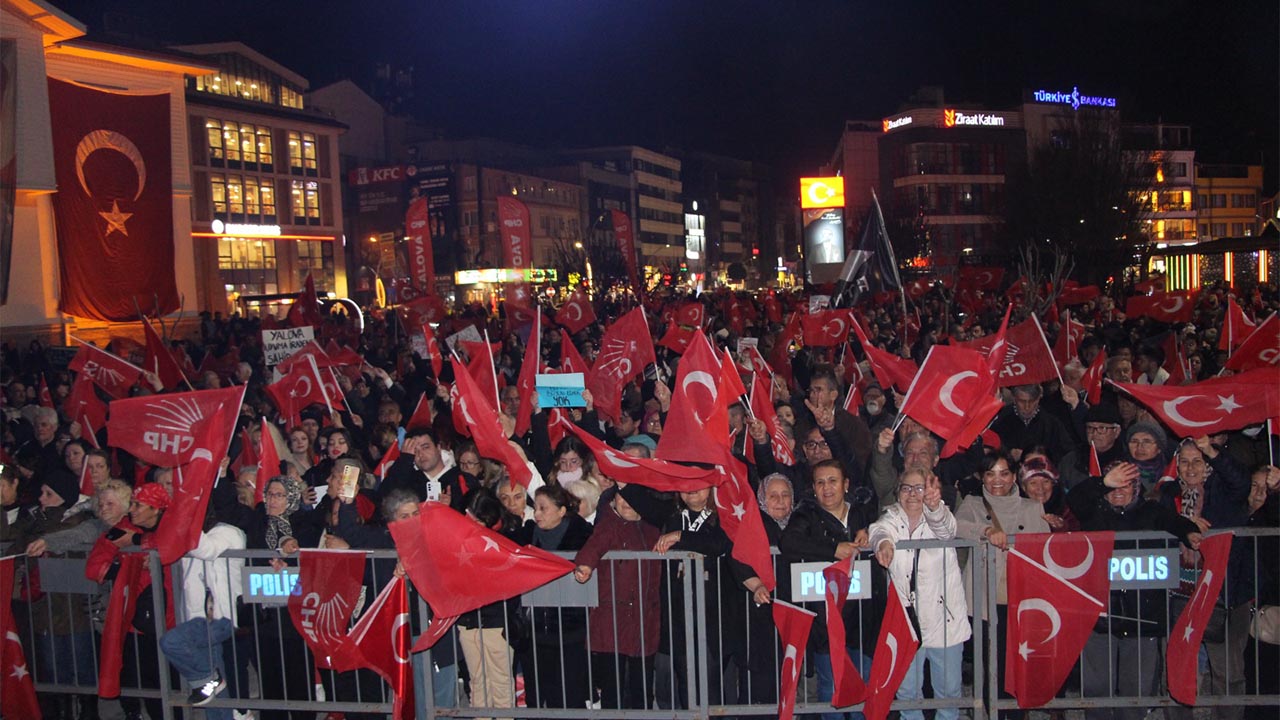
x,y
1228,200
267,194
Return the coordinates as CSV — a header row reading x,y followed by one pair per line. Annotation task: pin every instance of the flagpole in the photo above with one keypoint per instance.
x,y
893,260
497,399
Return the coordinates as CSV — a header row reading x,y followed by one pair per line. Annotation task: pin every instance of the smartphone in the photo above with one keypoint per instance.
x,y
350,482
115,534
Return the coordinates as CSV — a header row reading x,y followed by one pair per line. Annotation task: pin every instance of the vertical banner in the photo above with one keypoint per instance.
x,y
8,157
114,205
626,244
421,262
515,227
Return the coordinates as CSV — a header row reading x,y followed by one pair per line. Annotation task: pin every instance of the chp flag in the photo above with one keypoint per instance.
x,y
329,584
1027,357
162,429
421,261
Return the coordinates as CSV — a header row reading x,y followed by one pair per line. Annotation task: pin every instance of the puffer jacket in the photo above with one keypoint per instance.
x,y
939,585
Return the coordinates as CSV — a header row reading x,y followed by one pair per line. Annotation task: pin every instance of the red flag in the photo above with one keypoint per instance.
x,y
115,375
1027,358
426,309
306,308
1236,326
625,350
917,288
527,381
514,226
268,462
998,350
952,380
1175,307
732,378
1150,287
652,473
898,637
570,359
577,313
1260,349
160,360
16,686
762,409
977,419
827,328
329,583
121,605
982,278
678,336
698,420
85,407
1095,465
301,387
793,625
304,355
853,399
1091,381
1184,638
849,686
433,350
481,368
388,459
86,482
421,259
1077,295
739,514
482,420
1054,600
890,370
382,639
163,429
112,160
248,454
626,244
458,566
758,364
1170,471
179,530
1213,406
421,417
43,397
772,310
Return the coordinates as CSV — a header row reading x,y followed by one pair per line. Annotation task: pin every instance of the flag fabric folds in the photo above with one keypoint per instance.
x,y
1215,405
793,625
329,583
895,651
1187,632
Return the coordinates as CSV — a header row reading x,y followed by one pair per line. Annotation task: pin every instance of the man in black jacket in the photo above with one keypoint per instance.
x,y
421,469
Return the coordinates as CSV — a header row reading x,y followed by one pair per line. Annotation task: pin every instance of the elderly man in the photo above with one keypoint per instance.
x,y
1022,425
1102,427
39,456
919,452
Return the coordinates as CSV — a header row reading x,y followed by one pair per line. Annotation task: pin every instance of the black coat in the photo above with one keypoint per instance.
x,y
549,625
406,475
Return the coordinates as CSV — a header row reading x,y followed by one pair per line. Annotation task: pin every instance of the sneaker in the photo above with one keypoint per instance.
x,y
207,692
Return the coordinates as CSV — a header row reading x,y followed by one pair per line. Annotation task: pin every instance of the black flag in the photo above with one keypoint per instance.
x,y
871,266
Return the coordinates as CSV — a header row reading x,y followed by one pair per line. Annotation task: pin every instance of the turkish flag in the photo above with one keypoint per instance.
x,y
388,459
977,419
684,324
758,364
85,407
426,309
895,651
527,381
306,308
1236,326
772,310
739,514
115,375
1092,379
1027,358
762,408
1184,638
159,359
890,370
1213,406
1077,295
570,359
1166,307
121,607
826,328
248,454
1095,464
981,278
179,530
482,420
951,380
458,566
481,366
329,583
625,350
433,351
16,685
917,288
1055,597
421,417
656,474
382,639
577,313
304,355
302,386
1170,471
268,462
1175,362
1260,349
698,420
732,378
793,625
224,367
849,686
114,205
340,355
163,429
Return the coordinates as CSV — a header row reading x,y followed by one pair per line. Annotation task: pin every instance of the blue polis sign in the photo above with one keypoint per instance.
x,y
1073,98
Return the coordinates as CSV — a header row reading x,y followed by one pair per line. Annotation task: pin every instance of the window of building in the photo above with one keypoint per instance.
x,y
248,267
315,257
263,138
1237,229
1202,201
267,196
1243,200
218,193
235,195
213,129
306,202
302,153
1204,230
1218,200
1218,230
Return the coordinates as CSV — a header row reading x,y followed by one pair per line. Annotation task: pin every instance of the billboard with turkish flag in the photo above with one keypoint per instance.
x,y
114,205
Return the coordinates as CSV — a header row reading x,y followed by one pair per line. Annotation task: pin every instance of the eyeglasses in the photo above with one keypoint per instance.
x,y
1142,442
820,389
815,444
276,495
468,463
1101,428
911,490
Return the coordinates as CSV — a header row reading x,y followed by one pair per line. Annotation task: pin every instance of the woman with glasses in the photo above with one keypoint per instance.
x,y
572,463
470,464
1147,447
930,585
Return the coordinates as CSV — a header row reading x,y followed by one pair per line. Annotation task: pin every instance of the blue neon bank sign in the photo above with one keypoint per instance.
x,y
1073,98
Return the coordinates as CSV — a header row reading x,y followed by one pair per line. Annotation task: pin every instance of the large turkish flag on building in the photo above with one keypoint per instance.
x,y
114,205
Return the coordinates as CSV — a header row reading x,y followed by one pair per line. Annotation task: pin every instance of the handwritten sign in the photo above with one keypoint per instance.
x,y
819,302
468,333
560,390
280,344
744,343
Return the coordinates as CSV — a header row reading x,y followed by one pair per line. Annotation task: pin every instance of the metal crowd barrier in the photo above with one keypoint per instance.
x,y
701,670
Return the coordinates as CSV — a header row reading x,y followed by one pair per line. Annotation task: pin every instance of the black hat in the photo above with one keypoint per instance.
x,y
1104,412
65,483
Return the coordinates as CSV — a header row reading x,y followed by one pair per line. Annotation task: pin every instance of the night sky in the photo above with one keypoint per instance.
x,y
771,81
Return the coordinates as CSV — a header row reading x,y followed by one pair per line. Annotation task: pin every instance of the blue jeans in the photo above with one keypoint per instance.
x,y
444,685
827,683
944,676
195,649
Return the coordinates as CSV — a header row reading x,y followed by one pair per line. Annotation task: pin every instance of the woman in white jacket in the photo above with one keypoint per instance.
x,y
930,585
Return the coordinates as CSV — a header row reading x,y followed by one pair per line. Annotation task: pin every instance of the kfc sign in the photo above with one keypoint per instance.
x,y
373,176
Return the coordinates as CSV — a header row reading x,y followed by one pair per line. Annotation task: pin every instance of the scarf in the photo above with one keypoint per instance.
x,y
278,526
550,539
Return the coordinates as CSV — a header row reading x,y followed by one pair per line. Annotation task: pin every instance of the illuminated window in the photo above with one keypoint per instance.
x,y
267,195
316,257
213,129
235,194
218,194
248,267
263,136
231,140
306,202
309,151
252,204
302,153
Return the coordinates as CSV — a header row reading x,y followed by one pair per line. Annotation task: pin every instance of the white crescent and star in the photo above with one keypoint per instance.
x,y
704,378
1039,605
1072,572
891,642
1179,301
575,311
1171,410
110,140
949,387
1202,592
838,332
401,620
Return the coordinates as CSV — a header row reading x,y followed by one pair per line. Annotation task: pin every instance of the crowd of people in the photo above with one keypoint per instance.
x,y
860,483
